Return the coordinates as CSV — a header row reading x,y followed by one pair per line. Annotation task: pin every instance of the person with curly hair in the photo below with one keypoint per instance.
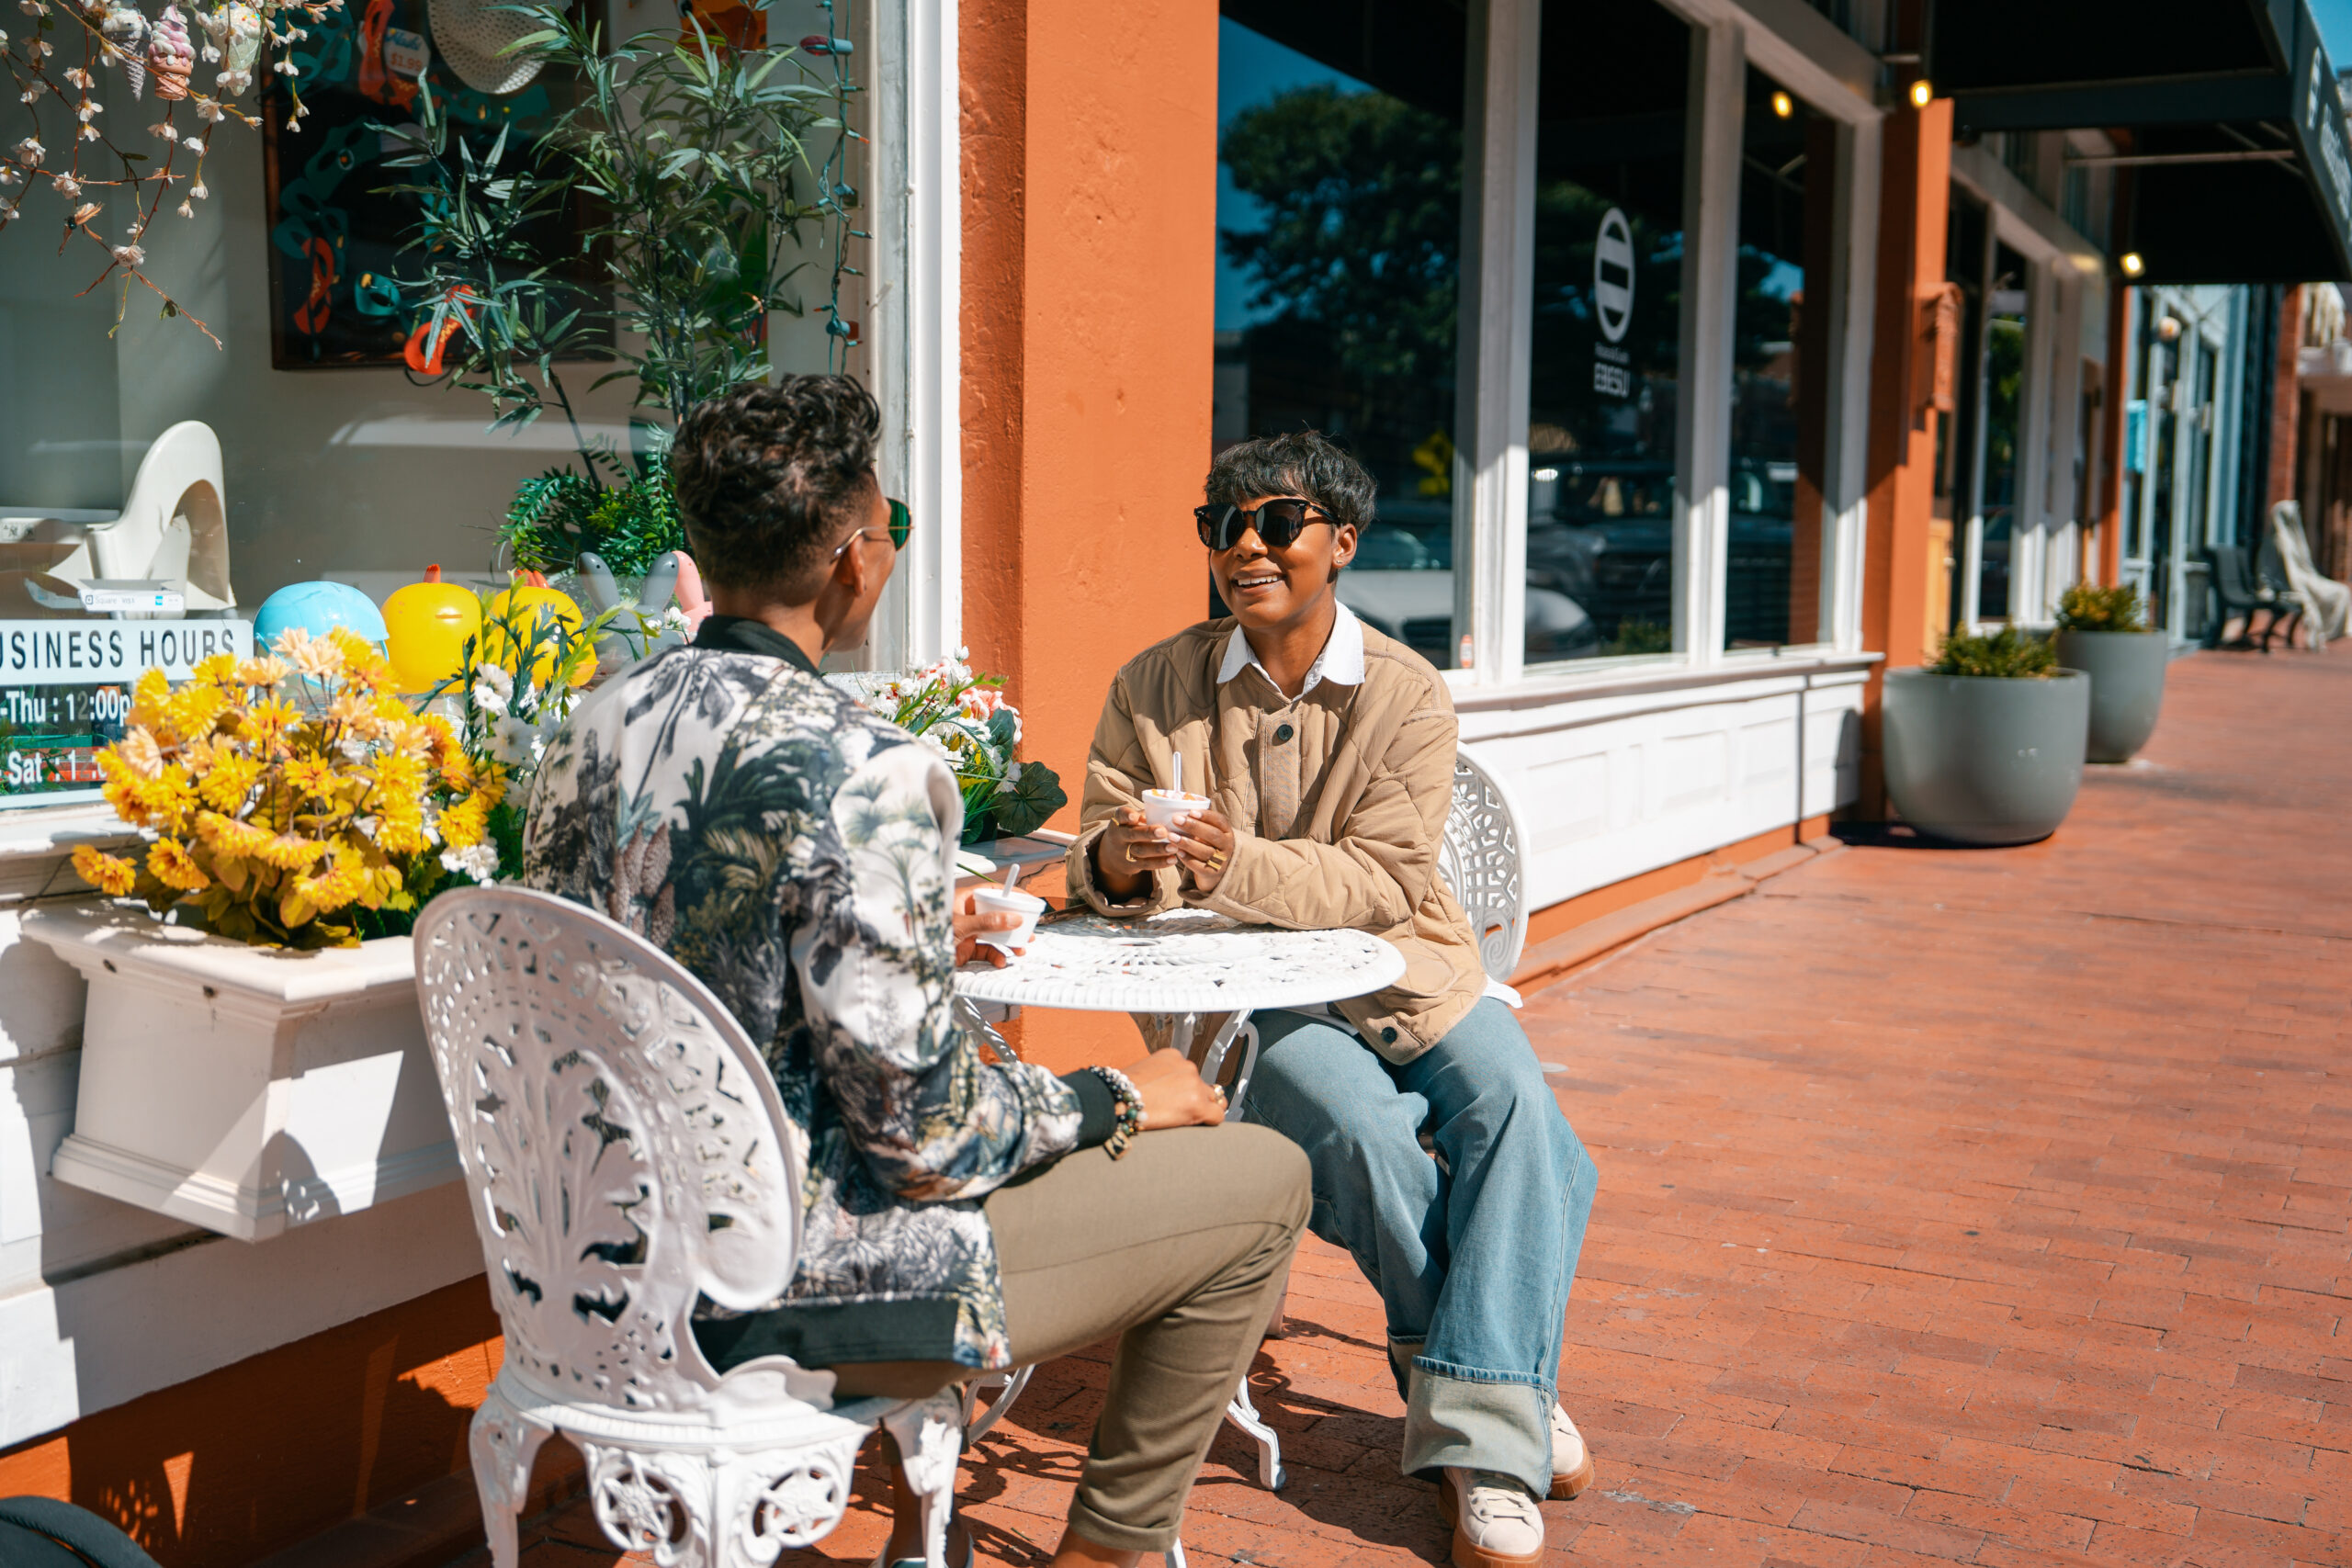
x,y
1442,1163
797,854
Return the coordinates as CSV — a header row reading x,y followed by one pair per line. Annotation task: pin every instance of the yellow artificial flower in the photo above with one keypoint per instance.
x,y
217,669
148,699
110,875
228,782
269,722
140,753
338,881
314,776
166,796
191,710
317,658
287,852
175,867
362,660
463,825
227,836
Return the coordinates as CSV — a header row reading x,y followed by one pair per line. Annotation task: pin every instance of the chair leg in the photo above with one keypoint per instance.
x,y
977,1421
930,1436
502,1445
1244,1415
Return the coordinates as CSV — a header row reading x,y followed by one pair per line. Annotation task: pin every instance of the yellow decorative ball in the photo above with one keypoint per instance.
x,y
514,616
426,625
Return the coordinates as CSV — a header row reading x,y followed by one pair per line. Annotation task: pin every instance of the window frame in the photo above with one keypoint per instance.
x,y
1496,331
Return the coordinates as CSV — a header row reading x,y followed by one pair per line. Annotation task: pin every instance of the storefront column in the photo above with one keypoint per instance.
x,y
1896,563
1090,218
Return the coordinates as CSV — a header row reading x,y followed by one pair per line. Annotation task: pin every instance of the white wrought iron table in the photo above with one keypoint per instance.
x,y
1182,966
1178,968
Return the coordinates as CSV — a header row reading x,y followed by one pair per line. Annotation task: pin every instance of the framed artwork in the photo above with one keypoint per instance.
x,y
336,238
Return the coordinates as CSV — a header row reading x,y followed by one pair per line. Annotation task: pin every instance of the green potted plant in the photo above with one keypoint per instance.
x,y
1985,745
692,161
2103,632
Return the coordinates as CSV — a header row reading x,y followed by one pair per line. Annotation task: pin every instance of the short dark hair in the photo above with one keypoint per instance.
x,y
1305,463
767,476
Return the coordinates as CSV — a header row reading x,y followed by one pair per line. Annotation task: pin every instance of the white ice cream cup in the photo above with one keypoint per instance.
x,y
1166,808
997,901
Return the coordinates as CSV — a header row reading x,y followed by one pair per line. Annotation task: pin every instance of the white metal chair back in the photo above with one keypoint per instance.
x,y
1479,859
625,1151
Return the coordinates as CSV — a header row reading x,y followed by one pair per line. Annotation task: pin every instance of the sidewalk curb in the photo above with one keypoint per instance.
x,y
1548,963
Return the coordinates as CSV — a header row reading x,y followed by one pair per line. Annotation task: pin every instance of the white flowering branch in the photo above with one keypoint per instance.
x,y
157,51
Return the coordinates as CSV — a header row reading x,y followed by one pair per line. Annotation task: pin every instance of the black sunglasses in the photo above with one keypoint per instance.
x,y
1278,523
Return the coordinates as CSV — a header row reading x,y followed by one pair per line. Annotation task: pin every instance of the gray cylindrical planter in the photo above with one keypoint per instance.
x,y
2127,672
1982,761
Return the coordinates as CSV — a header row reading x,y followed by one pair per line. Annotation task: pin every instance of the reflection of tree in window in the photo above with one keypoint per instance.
x,y
2004,328
1359,260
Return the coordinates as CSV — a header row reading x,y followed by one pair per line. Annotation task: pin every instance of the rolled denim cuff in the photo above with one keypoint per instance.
x,y
1478,1420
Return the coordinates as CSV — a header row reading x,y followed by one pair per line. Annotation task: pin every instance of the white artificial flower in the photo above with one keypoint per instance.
x,y
129,256
29,153
480,863
198,192
1012,777
193,143
515,741
185,210
67,185
78,76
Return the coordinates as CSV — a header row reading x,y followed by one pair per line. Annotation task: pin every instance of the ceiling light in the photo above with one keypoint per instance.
x,y
1923,92
2131,265
1784,105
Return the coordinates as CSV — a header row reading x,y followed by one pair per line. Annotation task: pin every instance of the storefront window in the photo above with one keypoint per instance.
x,y
1607,349
1779,416
2004,363
1338,249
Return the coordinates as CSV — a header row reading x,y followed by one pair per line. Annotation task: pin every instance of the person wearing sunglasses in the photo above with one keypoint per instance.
x,y
1328,751
796,852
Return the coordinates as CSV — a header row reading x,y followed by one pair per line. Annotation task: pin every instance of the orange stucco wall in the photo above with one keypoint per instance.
x,y
1915,206
1089,212
229,1467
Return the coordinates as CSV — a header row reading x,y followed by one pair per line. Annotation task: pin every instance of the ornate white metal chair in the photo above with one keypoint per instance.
x,y
1480,861
626,1150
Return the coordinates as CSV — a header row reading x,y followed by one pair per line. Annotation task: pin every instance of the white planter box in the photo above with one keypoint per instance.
x,y
245,1089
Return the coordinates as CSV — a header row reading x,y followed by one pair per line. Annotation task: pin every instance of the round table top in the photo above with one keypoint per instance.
x,y
1183,961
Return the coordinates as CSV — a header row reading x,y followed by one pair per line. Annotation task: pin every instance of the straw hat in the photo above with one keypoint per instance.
x,y
470,33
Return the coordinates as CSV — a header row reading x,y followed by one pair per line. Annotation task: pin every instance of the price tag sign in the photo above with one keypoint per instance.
x,y
65,692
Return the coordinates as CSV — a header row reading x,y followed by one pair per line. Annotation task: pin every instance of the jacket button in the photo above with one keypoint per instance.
x,y
1283,734
1388,1035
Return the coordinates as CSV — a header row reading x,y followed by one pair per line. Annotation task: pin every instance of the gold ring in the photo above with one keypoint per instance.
x,y
1217,860
1219,1090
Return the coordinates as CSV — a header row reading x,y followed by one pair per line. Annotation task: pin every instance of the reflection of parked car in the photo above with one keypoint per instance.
x,y
1402,583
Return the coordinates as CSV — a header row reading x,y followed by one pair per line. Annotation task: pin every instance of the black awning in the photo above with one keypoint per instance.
x,y
2240,171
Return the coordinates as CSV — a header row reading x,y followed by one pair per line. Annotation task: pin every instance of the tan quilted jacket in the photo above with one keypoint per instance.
x,y
1338,798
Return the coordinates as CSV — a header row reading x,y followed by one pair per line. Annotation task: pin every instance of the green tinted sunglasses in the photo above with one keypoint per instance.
x,y
902,522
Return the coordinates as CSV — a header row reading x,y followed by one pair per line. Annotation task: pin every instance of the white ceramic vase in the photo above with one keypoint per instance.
x,y
241,1088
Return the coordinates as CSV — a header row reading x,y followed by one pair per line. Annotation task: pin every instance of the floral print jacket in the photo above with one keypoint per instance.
x,y
796,852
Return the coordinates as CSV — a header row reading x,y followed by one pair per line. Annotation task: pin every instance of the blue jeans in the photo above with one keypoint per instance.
x,y
1473,1259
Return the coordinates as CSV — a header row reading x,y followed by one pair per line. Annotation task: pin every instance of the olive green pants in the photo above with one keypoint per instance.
x,y
1181,1249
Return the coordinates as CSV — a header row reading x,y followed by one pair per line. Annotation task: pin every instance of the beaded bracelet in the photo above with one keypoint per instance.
x,y
1128,1118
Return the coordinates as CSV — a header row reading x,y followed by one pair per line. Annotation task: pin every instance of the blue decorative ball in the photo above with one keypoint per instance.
x,y
318,608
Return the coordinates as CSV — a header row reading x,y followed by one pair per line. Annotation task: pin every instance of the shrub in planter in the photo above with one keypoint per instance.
x,y
1985,745
2103,632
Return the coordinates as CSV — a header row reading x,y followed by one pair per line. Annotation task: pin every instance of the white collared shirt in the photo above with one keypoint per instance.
x,y
1340,660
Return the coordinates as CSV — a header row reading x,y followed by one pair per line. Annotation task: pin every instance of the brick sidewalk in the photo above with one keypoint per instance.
x,y
1976,1206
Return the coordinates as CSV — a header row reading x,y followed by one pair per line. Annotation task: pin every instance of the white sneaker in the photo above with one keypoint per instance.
x,y
1495,1523
1571,1460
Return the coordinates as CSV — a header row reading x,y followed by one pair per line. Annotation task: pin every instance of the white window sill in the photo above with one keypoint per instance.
x,y
1665,673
